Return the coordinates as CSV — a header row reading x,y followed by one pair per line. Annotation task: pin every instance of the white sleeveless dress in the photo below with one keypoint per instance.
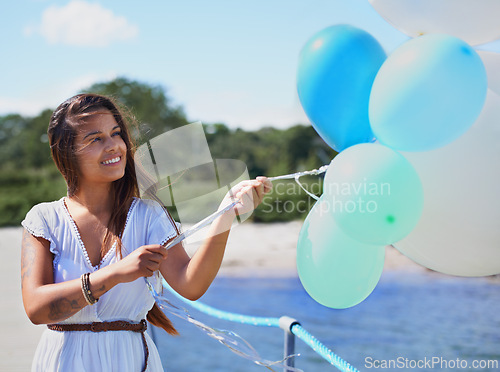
x,y
120,351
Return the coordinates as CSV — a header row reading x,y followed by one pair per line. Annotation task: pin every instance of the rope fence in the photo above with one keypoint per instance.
x,y
294,328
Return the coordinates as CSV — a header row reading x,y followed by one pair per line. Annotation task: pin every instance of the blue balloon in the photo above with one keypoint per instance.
x,y
428,93
336,70
335,270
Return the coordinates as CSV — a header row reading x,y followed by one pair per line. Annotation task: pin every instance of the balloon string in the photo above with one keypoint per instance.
x,y
313,172
303,188
296,177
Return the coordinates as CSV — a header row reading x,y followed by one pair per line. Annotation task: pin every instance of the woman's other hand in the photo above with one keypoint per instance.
x,y
142,262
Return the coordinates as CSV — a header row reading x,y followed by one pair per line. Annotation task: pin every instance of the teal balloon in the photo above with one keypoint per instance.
x,y
427,93
374,193
335,270
336,70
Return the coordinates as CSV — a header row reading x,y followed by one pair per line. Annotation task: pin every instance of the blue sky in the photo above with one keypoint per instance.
x,y
223,61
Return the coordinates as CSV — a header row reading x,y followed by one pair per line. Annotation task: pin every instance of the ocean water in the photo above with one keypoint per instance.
x,y
411,320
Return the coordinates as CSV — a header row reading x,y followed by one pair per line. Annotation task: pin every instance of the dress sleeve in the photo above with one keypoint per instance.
x,y
36,224
162,227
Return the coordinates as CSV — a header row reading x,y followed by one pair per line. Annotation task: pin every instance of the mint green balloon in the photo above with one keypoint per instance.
x,y
335,270
374,193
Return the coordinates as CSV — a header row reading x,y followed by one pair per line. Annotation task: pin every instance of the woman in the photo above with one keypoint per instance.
x,y
84,256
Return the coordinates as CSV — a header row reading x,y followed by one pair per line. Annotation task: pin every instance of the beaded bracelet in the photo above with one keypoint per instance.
x,y
87,293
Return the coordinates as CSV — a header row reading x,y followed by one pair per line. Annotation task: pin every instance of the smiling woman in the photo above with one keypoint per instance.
x,y
100,149
84,256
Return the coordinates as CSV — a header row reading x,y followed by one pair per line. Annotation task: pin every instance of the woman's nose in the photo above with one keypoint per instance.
x,y
111,144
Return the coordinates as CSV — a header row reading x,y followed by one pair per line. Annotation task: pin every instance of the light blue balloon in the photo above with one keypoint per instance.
x,y
335,270
374,192
428,92
336,70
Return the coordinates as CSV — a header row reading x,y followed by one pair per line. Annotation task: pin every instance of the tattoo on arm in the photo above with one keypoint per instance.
x,y
102,289
28,254
63,308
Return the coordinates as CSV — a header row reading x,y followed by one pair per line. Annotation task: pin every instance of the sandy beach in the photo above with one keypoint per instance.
x,y
19,335
265,250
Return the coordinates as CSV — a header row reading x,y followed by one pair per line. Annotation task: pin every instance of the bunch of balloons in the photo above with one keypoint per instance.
x,y
416,146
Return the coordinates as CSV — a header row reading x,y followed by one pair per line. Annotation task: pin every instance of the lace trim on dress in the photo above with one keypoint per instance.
x,y
80,241
77,232
168,238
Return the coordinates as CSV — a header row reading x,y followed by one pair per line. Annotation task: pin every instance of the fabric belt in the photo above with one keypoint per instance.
x,y
119,325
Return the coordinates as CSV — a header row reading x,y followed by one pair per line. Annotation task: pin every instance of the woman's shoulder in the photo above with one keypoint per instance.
x,y
46,208
43,218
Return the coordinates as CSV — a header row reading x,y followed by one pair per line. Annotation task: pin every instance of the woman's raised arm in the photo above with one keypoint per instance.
x,y
191,277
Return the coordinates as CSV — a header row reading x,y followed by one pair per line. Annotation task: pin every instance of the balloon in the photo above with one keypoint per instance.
x,y
427,93
475,21
336,70
459,232
335,270
374,192
492,64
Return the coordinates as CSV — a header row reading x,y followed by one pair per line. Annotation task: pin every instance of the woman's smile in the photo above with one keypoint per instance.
x,y
112,161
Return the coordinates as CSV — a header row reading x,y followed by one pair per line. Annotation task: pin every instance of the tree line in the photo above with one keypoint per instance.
x,y
28,176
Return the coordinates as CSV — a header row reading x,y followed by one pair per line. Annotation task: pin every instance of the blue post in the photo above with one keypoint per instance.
x,y
286,323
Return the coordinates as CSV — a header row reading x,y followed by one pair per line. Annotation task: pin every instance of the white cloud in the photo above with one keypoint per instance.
x,y
80,23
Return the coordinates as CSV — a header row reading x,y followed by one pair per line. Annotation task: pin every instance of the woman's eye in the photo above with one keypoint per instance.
x,y
119,133
95,139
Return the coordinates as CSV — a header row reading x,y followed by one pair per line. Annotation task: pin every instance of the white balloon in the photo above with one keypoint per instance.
x,y
491,62
474,21
459,231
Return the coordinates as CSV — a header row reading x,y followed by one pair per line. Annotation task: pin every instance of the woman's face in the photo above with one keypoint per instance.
x,y
100,149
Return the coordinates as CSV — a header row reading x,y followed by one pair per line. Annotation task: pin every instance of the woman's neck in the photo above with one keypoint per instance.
x,y
97,200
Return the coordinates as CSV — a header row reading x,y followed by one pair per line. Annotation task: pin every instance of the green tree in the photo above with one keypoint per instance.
x,y
36,145
12,133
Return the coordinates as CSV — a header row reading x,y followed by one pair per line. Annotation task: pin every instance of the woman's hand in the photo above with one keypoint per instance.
x,y
144,261
249,194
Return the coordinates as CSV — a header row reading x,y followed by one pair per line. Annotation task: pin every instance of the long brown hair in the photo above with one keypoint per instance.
x,y
62,133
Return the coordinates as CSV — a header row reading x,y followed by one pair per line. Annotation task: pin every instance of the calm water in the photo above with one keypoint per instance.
x,y
408,316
